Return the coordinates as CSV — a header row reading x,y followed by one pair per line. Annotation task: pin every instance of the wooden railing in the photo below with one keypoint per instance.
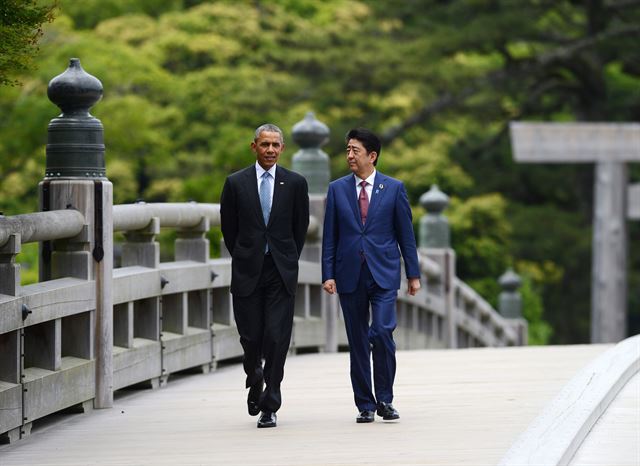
x,y
177,315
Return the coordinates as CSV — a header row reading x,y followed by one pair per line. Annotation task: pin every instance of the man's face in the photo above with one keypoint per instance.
x,y
360,162
268,148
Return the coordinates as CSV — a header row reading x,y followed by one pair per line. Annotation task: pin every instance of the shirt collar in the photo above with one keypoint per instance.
x,y
370,179
260,171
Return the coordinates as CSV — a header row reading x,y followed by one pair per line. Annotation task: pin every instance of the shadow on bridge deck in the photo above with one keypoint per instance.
x,y
456,406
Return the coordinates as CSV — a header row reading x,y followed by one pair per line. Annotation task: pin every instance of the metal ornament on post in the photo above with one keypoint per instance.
x,y
510,304
510,300
75,178
434,227
310,161
75,143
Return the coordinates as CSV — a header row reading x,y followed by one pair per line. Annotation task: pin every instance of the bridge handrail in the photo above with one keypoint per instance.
x,y
484,312
555,435
131,217
429,267
41,226
170,316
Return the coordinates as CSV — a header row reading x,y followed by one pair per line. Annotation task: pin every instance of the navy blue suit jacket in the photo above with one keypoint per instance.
x,y
388,232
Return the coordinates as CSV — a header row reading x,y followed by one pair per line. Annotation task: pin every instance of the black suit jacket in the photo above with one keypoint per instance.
x,y
246,235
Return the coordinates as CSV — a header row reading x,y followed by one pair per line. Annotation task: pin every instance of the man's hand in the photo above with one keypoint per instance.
x,y
413,286
330,286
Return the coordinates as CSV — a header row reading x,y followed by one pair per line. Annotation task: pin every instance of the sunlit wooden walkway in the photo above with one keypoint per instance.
x,y
458,407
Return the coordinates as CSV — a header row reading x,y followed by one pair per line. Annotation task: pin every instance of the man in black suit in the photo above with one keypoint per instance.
x,y
264,214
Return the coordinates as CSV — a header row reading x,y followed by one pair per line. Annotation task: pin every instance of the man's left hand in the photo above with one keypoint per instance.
x,y
413,286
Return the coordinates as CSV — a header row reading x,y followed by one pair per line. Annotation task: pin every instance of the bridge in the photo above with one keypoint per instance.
x,y
90,330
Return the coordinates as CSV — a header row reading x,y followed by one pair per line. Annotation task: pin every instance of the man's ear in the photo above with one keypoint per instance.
x,y
373,154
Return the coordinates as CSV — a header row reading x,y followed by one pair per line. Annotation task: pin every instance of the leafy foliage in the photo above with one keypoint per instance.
x,y
187,81
20,28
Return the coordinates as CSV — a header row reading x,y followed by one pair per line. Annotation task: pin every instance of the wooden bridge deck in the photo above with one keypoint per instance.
x,y
458,407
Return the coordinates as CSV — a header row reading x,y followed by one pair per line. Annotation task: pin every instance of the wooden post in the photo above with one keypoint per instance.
x,y
609,270
610,146
633,201
9,270
435,243
75,178
445,288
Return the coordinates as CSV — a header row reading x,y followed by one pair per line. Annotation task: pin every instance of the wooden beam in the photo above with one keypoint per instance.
x,y
575,142
610,146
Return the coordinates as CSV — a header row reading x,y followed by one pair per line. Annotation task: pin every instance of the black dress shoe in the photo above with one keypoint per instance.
x,y
387,412
267,419
365,416
253,399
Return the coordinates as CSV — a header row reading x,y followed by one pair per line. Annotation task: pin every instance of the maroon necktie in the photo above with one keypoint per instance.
x,y
363,201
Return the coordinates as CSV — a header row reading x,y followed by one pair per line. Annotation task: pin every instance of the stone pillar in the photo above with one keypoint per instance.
x,y
75,177
435,243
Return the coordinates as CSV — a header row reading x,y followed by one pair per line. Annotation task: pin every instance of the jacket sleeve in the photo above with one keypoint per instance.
x,y
228,216
329,238
301,215
404,233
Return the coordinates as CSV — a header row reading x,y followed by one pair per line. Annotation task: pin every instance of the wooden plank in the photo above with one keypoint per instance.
x,y
184,351
456,406
138,364
308,332
10,406
47,300
185,276
49,391
135,282
575,142
226,342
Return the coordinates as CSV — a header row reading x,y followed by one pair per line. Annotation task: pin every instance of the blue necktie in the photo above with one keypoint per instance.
x,y
265,198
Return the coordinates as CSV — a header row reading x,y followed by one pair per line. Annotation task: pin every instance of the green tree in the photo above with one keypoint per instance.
x,y
20,28
187,81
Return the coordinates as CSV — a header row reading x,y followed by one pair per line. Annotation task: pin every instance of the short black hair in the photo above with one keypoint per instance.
x,y
369,140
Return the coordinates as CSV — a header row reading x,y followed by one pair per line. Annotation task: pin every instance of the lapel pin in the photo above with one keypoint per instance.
x,y
377,191
381,186
282,182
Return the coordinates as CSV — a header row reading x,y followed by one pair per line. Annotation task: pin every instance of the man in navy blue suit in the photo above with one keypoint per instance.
x,y
367,226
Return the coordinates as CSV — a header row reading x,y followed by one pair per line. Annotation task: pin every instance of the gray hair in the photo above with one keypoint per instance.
x,y
270,128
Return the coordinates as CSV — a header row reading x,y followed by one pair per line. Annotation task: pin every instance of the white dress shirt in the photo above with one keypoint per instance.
x,y
272,172
368,187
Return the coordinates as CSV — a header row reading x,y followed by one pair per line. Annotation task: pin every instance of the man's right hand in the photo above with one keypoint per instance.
x,y
329,286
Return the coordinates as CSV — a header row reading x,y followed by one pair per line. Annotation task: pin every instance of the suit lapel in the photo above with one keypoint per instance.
x,y
352,197
278,186
376,196
252,183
